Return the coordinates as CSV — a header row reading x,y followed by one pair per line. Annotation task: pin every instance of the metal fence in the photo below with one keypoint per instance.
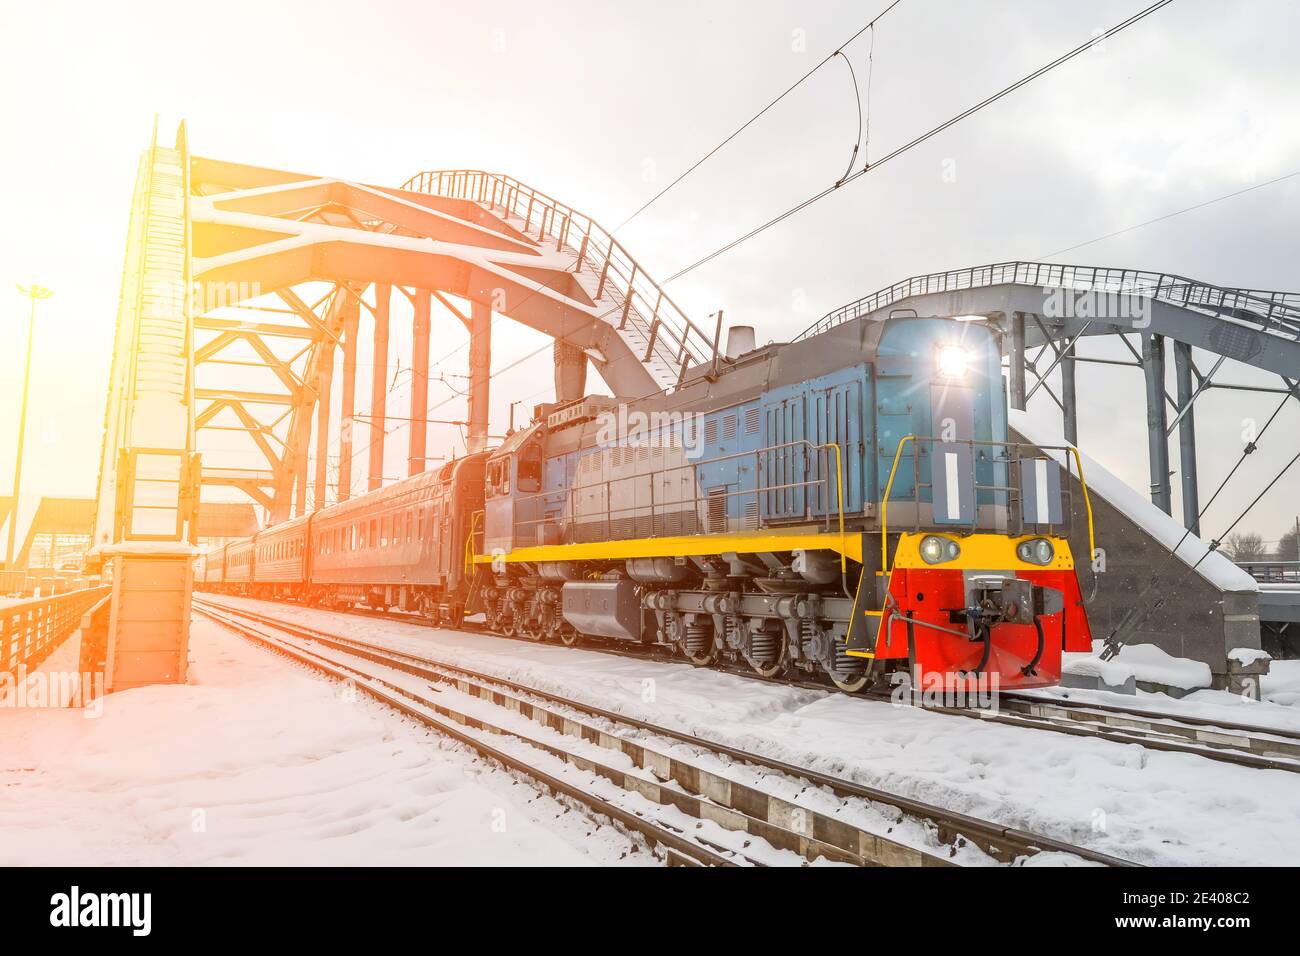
x,y
1276,312
1269,571
31,630
671,337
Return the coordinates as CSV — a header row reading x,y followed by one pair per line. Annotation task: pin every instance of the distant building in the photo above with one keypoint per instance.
x,y
61,530
222,521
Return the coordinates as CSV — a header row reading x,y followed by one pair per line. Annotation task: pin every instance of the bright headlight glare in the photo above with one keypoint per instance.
x,y
953,361
1036,551
936,549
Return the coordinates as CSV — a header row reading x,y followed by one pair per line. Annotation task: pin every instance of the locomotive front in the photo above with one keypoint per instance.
x,y
975,580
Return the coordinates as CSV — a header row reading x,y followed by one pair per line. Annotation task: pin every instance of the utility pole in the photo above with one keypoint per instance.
x,y
35,293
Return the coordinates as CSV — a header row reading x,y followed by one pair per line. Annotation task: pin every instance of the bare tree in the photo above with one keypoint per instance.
x,y
1288,547
1245,547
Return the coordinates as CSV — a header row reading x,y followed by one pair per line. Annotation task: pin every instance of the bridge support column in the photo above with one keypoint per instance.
x,y
419,384
1069,411
324,384
1187,438
1153,365
570,372
379,387
351,328
1017,371
480,370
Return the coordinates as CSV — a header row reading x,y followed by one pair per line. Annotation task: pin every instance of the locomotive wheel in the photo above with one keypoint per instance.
x,y
850,685
701,660
569,635
508,629
771,671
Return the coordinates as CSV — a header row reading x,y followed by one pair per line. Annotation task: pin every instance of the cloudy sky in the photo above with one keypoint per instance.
x,y
603,104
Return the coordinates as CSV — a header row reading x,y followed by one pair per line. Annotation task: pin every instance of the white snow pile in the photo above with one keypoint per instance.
x,y
1146,662
1245,656
1087,664
1215,568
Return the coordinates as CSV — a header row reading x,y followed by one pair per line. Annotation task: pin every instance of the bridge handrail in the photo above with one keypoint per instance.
x,y
1270,570
32,629
1275,312
666,323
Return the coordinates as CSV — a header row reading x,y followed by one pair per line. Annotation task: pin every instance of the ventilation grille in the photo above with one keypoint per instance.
x,y
717,514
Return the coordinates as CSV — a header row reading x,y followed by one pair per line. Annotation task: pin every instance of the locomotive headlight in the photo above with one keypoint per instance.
x,y
936,549
1036,551
953,361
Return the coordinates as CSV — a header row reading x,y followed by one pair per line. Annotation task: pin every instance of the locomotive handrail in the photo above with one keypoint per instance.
x,y
756,492
1070,450
474,519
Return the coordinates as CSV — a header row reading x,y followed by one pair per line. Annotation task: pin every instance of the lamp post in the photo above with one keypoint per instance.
x,y
35,293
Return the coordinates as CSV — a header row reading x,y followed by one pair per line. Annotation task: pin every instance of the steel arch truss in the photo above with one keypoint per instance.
x,y
282,263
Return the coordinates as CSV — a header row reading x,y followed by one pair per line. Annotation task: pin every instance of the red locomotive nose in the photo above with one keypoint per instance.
x,y
953,648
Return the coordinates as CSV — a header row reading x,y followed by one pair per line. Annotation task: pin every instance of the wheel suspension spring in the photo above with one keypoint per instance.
x,y
764,647
698,638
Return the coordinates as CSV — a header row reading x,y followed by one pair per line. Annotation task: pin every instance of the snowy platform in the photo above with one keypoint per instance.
x,y
256,761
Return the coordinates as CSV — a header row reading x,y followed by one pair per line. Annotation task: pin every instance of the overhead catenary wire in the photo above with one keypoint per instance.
x,y
927,135
1176,212
753,119
857,142
852,175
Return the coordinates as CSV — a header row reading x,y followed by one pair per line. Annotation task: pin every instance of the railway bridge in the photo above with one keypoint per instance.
x,y
251,297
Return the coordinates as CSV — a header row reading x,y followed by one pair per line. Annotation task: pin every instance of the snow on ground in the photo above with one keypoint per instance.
x,y
1154,808
1277,709
1281,685
257,761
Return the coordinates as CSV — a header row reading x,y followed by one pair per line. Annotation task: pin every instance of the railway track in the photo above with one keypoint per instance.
x,y
696,776
1245,745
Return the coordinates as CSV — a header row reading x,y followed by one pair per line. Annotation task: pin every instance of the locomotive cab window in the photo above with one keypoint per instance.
x,y
530,468
499,477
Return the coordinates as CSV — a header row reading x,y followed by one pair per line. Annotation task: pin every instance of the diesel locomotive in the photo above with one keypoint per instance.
x,y
847,506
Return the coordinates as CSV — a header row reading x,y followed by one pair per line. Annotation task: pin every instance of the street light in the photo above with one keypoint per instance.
x,y
35,293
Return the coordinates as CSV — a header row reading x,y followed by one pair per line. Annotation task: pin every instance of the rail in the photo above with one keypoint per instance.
x,y
1010,489
31,630
670,335
1274,312
708,513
